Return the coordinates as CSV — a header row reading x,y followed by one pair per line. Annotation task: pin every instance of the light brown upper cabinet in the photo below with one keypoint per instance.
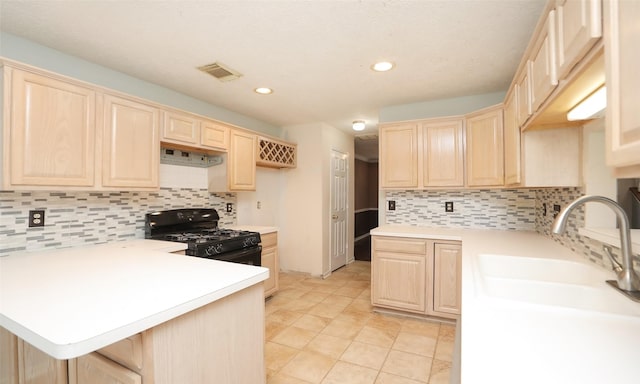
x,y
523,91
579,27
63,134
214,135
543,63
512,156
275,153
485,147
399,155
238,170
560,65
50,127
622,57
181,128
130,144
422,154
242,166
187,130
443,152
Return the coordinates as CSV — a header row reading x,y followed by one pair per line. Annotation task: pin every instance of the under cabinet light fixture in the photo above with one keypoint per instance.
x,y
591,107
359,125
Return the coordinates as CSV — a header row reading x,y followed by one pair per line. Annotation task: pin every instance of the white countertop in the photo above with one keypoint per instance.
x,y
504,341
74,301
150,245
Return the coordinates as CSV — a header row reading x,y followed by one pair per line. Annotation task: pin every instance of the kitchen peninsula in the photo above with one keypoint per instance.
x,y
131,312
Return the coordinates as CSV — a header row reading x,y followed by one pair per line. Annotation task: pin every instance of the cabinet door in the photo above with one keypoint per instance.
x,y
181,128
270,260
523,90
543,64
447,269
52,132
512,166
485,154
8,357
95,369
399,156
36,367
579,27
399,274
242,161
131,144
214,135
622,57
443,153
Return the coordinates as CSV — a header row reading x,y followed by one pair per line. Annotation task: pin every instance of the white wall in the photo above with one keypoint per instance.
x,y
267,196
303,240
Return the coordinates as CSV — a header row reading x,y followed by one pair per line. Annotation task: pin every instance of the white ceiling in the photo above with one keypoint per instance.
x,y
316,55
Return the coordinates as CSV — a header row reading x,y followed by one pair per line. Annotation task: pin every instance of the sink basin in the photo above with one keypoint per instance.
x,y
539,269
578,297
551,283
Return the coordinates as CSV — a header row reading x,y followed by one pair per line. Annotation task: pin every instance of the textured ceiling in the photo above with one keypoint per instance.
x,y
315,54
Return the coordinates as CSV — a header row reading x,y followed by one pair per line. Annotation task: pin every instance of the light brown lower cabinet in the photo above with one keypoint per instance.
x,y
214,342
96,369
270,260
419,276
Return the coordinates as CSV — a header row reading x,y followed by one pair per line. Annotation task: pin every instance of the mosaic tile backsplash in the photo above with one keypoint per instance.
x,y
82,218
512,209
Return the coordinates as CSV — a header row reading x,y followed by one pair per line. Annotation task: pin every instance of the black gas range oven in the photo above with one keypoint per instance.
x,y
198,228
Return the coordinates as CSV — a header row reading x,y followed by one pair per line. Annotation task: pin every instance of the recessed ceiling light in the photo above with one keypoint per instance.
x,y
263,90
359,125
382,66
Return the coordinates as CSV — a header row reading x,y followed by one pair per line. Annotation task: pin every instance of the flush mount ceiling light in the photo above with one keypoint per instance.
x,y
263,90
591,107
358,125
382,66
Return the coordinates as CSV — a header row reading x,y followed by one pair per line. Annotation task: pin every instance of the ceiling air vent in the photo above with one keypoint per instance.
x,y
220,71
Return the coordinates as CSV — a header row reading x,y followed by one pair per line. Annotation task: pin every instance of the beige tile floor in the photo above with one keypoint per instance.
x,y
324,331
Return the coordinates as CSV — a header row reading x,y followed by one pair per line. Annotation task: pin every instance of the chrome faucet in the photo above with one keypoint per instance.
x,y
626,276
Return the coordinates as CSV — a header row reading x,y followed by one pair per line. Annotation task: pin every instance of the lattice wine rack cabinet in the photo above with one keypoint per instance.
x,y
276,154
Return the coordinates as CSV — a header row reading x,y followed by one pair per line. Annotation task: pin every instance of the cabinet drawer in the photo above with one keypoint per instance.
x,y
269,240
127,352
398,244
95,369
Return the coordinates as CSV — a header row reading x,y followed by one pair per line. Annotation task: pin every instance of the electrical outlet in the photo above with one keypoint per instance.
x,y
392,205
448,206
36,218
556,210
229,207
259,205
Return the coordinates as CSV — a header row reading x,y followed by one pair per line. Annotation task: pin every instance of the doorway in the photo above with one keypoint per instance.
x,y
366,194
339,205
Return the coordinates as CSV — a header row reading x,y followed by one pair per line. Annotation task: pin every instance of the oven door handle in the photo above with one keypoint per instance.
x,y
230,256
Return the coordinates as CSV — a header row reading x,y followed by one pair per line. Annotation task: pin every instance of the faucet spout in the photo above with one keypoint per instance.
x,y
627,278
